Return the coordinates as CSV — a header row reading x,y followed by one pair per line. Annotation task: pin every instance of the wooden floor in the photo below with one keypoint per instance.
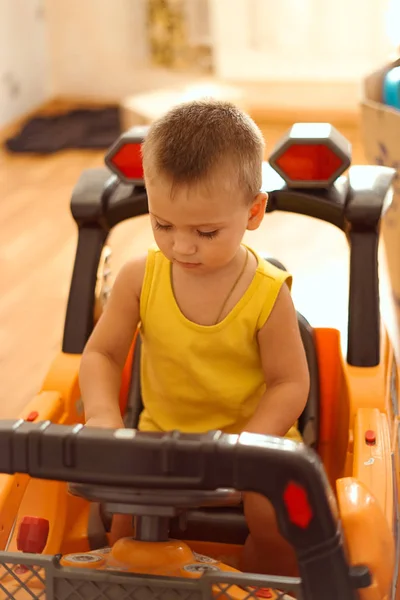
x,y
37,246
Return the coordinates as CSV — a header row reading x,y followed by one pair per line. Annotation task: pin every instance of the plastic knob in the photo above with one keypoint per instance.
x,y
32,535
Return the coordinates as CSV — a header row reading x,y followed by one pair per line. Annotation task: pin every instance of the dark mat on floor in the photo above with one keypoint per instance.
x,y
81,128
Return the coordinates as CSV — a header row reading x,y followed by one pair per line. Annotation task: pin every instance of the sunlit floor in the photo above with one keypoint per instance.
x,y
38,238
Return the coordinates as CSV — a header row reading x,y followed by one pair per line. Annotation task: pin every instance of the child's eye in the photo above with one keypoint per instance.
x,y
158,225
208,234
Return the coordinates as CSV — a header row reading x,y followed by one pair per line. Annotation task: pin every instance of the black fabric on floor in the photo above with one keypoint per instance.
x,y
81,128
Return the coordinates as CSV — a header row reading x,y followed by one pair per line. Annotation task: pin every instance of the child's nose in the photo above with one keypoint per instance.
x,y
183,244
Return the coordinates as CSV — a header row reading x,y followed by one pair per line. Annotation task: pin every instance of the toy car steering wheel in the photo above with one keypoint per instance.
x,y
132,501
153,509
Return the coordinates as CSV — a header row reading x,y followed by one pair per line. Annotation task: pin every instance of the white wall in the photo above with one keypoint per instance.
x,y
98,49
299,40
24,69
97,46
312,53
321,46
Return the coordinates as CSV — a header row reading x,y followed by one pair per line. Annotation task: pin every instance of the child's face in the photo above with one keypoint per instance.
x,y
200,227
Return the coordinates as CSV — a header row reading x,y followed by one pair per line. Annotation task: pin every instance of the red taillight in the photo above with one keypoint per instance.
x,y
297,505
124,158
313,162
128,161
311,155
32,535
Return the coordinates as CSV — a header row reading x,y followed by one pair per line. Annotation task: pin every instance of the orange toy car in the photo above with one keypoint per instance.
x,y
335,496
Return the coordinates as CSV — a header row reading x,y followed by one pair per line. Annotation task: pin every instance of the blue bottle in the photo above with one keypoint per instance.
x,y
391,88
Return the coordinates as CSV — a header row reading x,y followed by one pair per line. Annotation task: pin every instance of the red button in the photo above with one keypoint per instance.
x,y
32,416
370,437
32,535
297,505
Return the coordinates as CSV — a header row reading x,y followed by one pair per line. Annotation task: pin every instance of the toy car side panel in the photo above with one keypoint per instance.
x,y
372,463
12,488
367,388
334,402
45,406
66,515
396,520
369,538
63,376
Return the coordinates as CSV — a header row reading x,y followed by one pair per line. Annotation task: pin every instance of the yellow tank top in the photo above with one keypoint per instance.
x,y
198,378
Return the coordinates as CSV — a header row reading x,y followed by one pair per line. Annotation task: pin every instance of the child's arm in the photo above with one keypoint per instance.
x,y
105,353
285,370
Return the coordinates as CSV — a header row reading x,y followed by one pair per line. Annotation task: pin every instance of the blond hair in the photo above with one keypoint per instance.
x,y
192,140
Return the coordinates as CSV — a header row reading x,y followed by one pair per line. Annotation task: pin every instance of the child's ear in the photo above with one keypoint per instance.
x,y
257,211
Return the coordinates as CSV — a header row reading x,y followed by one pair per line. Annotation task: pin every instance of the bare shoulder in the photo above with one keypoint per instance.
x,y
131,275
283,307
281,330
115,329
281,347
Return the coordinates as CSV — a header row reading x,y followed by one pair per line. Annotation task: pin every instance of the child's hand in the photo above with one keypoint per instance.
x,y
106,422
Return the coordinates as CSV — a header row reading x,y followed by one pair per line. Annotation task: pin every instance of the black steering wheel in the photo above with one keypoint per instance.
x,y
153,509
